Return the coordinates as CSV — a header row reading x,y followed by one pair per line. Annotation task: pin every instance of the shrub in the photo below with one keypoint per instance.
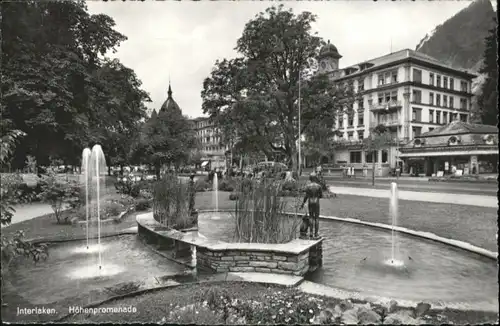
x,y
127,186
58,193
111,209
234,196
227,185
260,218
9,196
171,203
142,204
14,247
194,314
202,185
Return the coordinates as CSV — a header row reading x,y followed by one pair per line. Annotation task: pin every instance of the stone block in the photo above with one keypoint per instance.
x,y
241,258
242,269
227,258
280,258
260,258
242,263
262,270
302,271
289,266
261,254
222,269
263,264
226,263
280,271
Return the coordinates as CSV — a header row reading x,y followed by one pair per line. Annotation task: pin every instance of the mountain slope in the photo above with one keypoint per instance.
x,y
459,41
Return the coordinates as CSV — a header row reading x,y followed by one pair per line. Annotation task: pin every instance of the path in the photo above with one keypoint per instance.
x,y
29,211
444,198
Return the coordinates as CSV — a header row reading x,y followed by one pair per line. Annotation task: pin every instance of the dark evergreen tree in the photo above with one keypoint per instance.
x,y
488,99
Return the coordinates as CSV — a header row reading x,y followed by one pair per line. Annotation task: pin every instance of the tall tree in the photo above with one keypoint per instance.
x,y
488,99
167,138
52,77
257,93
379,138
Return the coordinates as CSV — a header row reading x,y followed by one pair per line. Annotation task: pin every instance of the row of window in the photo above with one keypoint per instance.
x,y
350,121
437,117
213,148
440,81
355,156
388,77
448,101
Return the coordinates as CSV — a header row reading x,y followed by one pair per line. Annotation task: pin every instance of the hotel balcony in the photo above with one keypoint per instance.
x,y
387,106
388,123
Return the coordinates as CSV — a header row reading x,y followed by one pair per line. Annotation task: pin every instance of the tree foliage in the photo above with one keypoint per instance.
x,y
488,99
257,93
57,83
168,138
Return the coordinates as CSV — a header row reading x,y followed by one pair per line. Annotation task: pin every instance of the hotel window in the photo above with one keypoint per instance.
x,y
438,81
417,96
350,135
369,156
453,116
438,99
445,118
452,84
394,77
355,157
380,98
463,86
350,120
385,156
431,116
360,134
380,79
394,96
416,115
431,98
445,82
361,85
445,101
361,120
341,122
463,104
438,117
431,79
417,75
451,102
463,117
417,131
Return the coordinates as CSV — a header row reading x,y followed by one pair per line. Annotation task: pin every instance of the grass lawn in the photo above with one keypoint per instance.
x,y
476,225
267,304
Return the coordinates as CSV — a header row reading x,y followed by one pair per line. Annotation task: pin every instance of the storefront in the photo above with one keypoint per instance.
x,y
458,148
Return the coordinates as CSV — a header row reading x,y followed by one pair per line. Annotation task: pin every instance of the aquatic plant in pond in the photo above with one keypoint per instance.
x,y
260,215
171,203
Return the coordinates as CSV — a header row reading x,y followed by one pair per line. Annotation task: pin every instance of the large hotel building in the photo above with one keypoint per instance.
x,y
214,153
408,92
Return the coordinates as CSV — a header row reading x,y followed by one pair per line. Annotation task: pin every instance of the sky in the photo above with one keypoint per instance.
x,y
181,40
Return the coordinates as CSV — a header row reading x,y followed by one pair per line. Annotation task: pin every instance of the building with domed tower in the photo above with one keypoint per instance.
x,y
408,92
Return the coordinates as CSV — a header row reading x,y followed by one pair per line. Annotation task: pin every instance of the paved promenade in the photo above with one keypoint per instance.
x,y
433,197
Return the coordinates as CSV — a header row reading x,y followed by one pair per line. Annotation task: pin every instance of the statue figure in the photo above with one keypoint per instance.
x,y
313,194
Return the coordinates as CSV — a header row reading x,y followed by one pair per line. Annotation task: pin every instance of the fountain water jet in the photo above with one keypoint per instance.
x,y
216,192
393,209
85,171
98,171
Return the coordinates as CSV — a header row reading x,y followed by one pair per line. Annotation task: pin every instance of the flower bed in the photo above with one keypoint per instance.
x,y
241,303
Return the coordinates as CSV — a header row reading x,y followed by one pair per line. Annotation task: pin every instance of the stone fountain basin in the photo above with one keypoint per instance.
x,y
355,258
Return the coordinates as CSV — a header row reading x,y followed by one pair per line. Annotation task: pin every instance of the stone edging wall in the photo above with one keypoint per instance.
x,y
295,258
252,261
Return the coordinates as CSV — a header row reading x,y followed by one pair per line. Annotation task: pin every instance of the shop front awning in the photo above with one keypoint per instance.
x,y
448,153
204,163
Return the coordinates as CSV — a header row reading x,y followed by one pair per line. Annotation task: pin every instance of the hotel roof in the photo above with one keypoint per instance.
x,y
406,54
